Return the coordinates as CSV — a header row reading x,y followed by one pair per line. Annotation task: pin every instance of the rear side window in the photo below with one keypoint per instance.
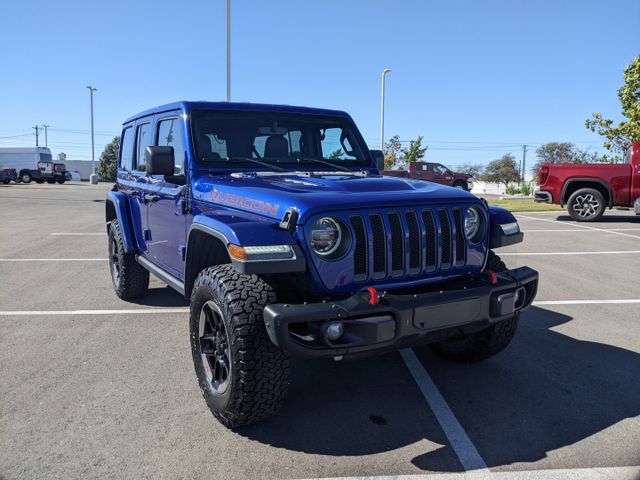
x,y
126,149
143,141
170,135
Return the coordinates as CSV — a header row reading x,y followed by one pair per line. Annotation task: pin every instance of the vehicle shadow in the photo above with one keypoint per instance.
x,y
546,391
606,218
161,297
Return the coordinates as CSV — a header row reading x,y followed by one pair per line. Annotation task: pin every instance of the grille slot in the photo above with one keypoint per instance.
x,y
431,248
397,244
460,238
415,241
379,246
361,249
445,236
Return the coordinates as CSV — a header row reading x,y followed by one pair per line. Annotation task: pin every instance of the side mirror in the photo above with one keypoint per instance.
x,y
159,160
378,157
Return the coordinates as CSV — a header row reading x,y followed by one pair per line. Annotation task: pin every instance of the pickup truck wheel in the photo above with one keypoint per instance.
x,y
243,376
486,343
50,180
39,180
586,205
6,182
461,185
60,180
25,177
130,280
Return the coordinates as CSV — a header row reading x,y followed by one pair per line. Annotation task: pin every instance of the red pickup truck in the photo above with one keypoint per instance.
x,y
433,172
587,189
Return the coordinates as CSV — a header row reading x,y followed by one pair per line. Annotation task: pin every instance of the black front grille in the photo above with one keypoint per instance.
x,y
409,242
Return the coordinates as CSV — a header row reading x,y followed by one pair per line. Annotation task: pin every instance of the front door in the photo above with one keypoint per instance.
x,y
166,206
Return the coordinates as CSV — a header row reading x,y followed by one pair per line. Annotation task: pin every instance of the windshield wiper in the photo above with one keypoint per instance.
x,y
323,162
257,162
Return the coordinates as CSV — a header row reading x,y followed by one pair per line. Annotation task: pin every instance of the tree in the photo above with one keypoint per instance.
x,y
108,164
391,150
504,170
473,169
336,154
415,151
562,152
620,136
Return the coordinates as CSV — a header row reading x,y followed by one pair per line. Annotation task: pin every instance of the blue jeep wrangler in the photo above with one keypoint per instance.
x,y
275,223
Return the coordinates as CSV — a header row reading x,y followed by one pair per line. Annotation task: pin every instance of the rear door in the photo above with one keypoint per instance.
x,y
166,206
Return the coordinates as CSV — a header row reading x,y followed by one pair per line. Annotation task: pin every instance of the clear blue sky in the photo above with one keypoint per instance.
x,y
476,79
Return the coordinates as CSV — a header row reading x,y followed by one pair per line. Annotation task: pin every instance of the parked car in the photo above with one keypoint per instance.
x,y
285,248
31,163
433,172
8,175
60,174
588,189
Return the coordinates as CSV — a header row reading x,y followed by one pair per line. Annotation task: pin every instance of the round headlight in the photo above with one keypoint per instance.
x,y
472,223
326,235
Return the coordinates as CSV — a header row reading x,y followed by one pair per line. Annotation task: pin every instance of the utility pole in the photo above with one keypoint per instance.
x,y
524,162
92,178
46,140
36,129
228,50
384,73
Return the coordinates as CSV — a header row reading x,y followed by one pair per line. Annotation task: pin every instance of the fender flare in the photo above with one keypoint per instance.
x,y
499,216
120,204
572,180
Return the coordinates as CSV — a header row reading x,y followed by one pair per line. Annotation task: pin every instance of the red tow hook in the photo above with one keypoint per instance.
x,y
493,276
374,298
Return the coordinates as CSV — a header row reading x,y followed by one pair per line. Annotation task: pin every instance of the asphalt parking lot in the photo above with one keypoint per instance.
x,y
94,387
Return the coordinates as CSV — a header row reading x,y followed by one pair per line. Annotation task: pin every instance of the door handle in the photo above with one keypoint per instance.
x,y
149,197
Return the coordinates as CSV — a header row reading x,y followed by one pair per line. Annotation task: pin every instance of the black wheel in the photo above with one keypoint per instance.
x,y
25,177
243,376
130,279
586,205
485,343
461,185
50,180
39,180
6,182
60,180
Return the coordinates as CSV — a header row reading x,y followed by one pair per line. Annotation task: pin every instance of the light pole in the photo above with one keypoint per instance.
x,y
384,73
46,141
228,50
93,178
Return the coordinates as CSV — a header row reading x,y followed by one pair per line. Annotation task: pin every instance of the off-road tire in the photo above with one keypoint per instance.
x,y
259,371
582,205
478,346
132,280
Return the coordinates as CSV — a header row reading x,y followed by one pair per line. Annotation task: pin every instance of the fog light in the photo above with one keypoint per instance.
x,y
335,331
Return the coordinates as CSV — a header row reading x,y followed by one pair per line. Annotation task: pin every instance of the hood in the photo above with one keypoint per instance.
x,y
272,193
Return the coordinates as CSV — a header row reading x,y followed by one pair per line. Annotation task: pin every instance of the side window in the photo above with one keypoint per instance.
x,y
425,167
333,147
440,168
142,142
126,149
170,135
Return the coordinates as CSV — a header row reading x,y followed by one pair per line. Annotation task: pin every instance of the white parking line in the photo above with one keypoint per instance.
x,y
132,311
460,441
555,222
53,259
585,302
597,473
606,252
78,234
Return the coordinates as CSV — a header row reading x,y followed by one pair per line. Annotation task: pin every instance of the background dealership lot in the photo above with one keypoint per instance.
x,y
90,388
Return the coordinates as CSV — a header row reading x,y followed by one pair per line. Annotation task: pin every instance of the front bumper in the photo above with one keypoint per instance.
x,y
399,320
542,197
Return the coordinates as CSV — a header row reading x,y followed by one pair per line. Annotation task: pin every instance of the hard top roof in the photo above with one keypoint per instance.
x,y
189,106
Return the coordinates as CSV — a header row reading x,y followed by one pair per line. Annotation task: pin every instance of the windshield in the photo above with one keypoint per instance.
x,y
281,139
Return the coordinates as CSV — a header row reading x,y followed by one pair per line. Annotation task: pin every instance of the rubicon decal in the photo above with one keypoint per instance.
x,y
244,202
